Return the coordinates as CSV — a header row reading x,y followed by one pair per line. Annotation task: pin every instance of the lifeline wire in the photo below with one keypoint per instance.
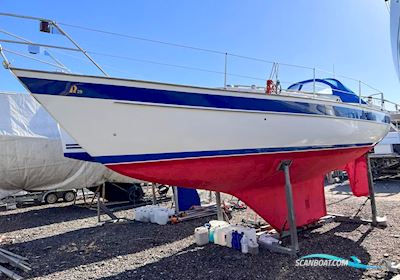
x,y
179,45
191,48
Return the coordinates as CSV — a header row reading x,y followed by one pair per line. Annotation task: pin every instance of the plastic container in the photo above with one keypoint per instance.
x,y
138,214
253,247
161,216
236,239
220,234
212,225
152,214
215,223
201,236
216,234
267,240
146,215
244,245
141,214
228,237
211,235
239,241
171,212
249,232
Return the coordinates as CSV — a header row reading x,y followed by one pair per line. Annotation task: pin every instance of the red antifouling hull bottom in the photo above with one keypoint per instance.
x,y
256,180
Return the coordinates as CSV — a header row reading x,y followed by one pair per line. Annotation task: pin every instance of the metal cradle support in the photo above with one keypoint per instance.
x,y
294,241
176,200
285,165
153,192
376,220
101,207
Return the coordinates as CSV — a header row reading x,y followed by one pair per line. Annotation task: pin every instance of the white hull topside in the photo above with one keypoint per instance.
x,y
114,127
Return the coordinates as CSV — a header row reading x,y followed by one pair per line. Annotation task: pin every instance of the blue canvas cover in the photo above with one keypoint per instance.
x,y
338,89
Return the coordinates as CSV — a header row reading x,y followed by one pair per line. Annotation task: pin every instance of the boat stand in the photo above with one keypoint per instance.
x,y
153,193
293,249
220,216
376,220
201,211
14,260
176,200
100,193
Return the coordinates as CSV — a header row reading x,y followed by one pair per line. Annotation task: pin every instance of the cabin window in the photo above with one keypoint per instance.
x,y
295,87
320,88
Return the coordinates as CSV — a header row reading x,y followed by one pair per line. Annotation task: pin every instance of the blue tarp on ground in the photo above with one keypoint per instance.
x,y
187,198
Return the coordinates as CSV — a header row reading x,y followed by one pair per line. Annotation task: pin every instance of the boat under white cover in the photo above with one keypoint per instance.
x,y
31,156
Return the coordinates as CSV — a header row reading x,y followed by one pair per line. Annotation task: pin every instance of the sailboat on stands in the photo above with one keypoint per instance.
x,y
231,139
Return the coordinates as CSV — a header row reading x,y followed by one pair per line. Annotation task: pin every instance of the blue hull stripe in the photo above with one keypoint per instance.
x,y
80,156
182,155
73,147
123,93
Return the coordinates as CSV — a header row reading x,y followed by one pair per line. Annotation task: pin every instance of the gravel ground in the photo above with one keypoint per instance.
x,y
65,242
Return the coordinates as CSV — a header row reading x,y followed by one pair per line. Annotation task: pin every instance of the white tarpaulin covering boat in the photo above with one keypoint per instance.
x,y
31,155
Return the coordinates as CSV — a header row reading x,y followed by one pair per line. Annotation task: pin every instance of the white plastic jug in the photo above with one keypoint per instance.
x,y
140,214
171,212
215,223
220,234
161,216
244,243
249,232
266,239
201,236
253,247
228,236
152,214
